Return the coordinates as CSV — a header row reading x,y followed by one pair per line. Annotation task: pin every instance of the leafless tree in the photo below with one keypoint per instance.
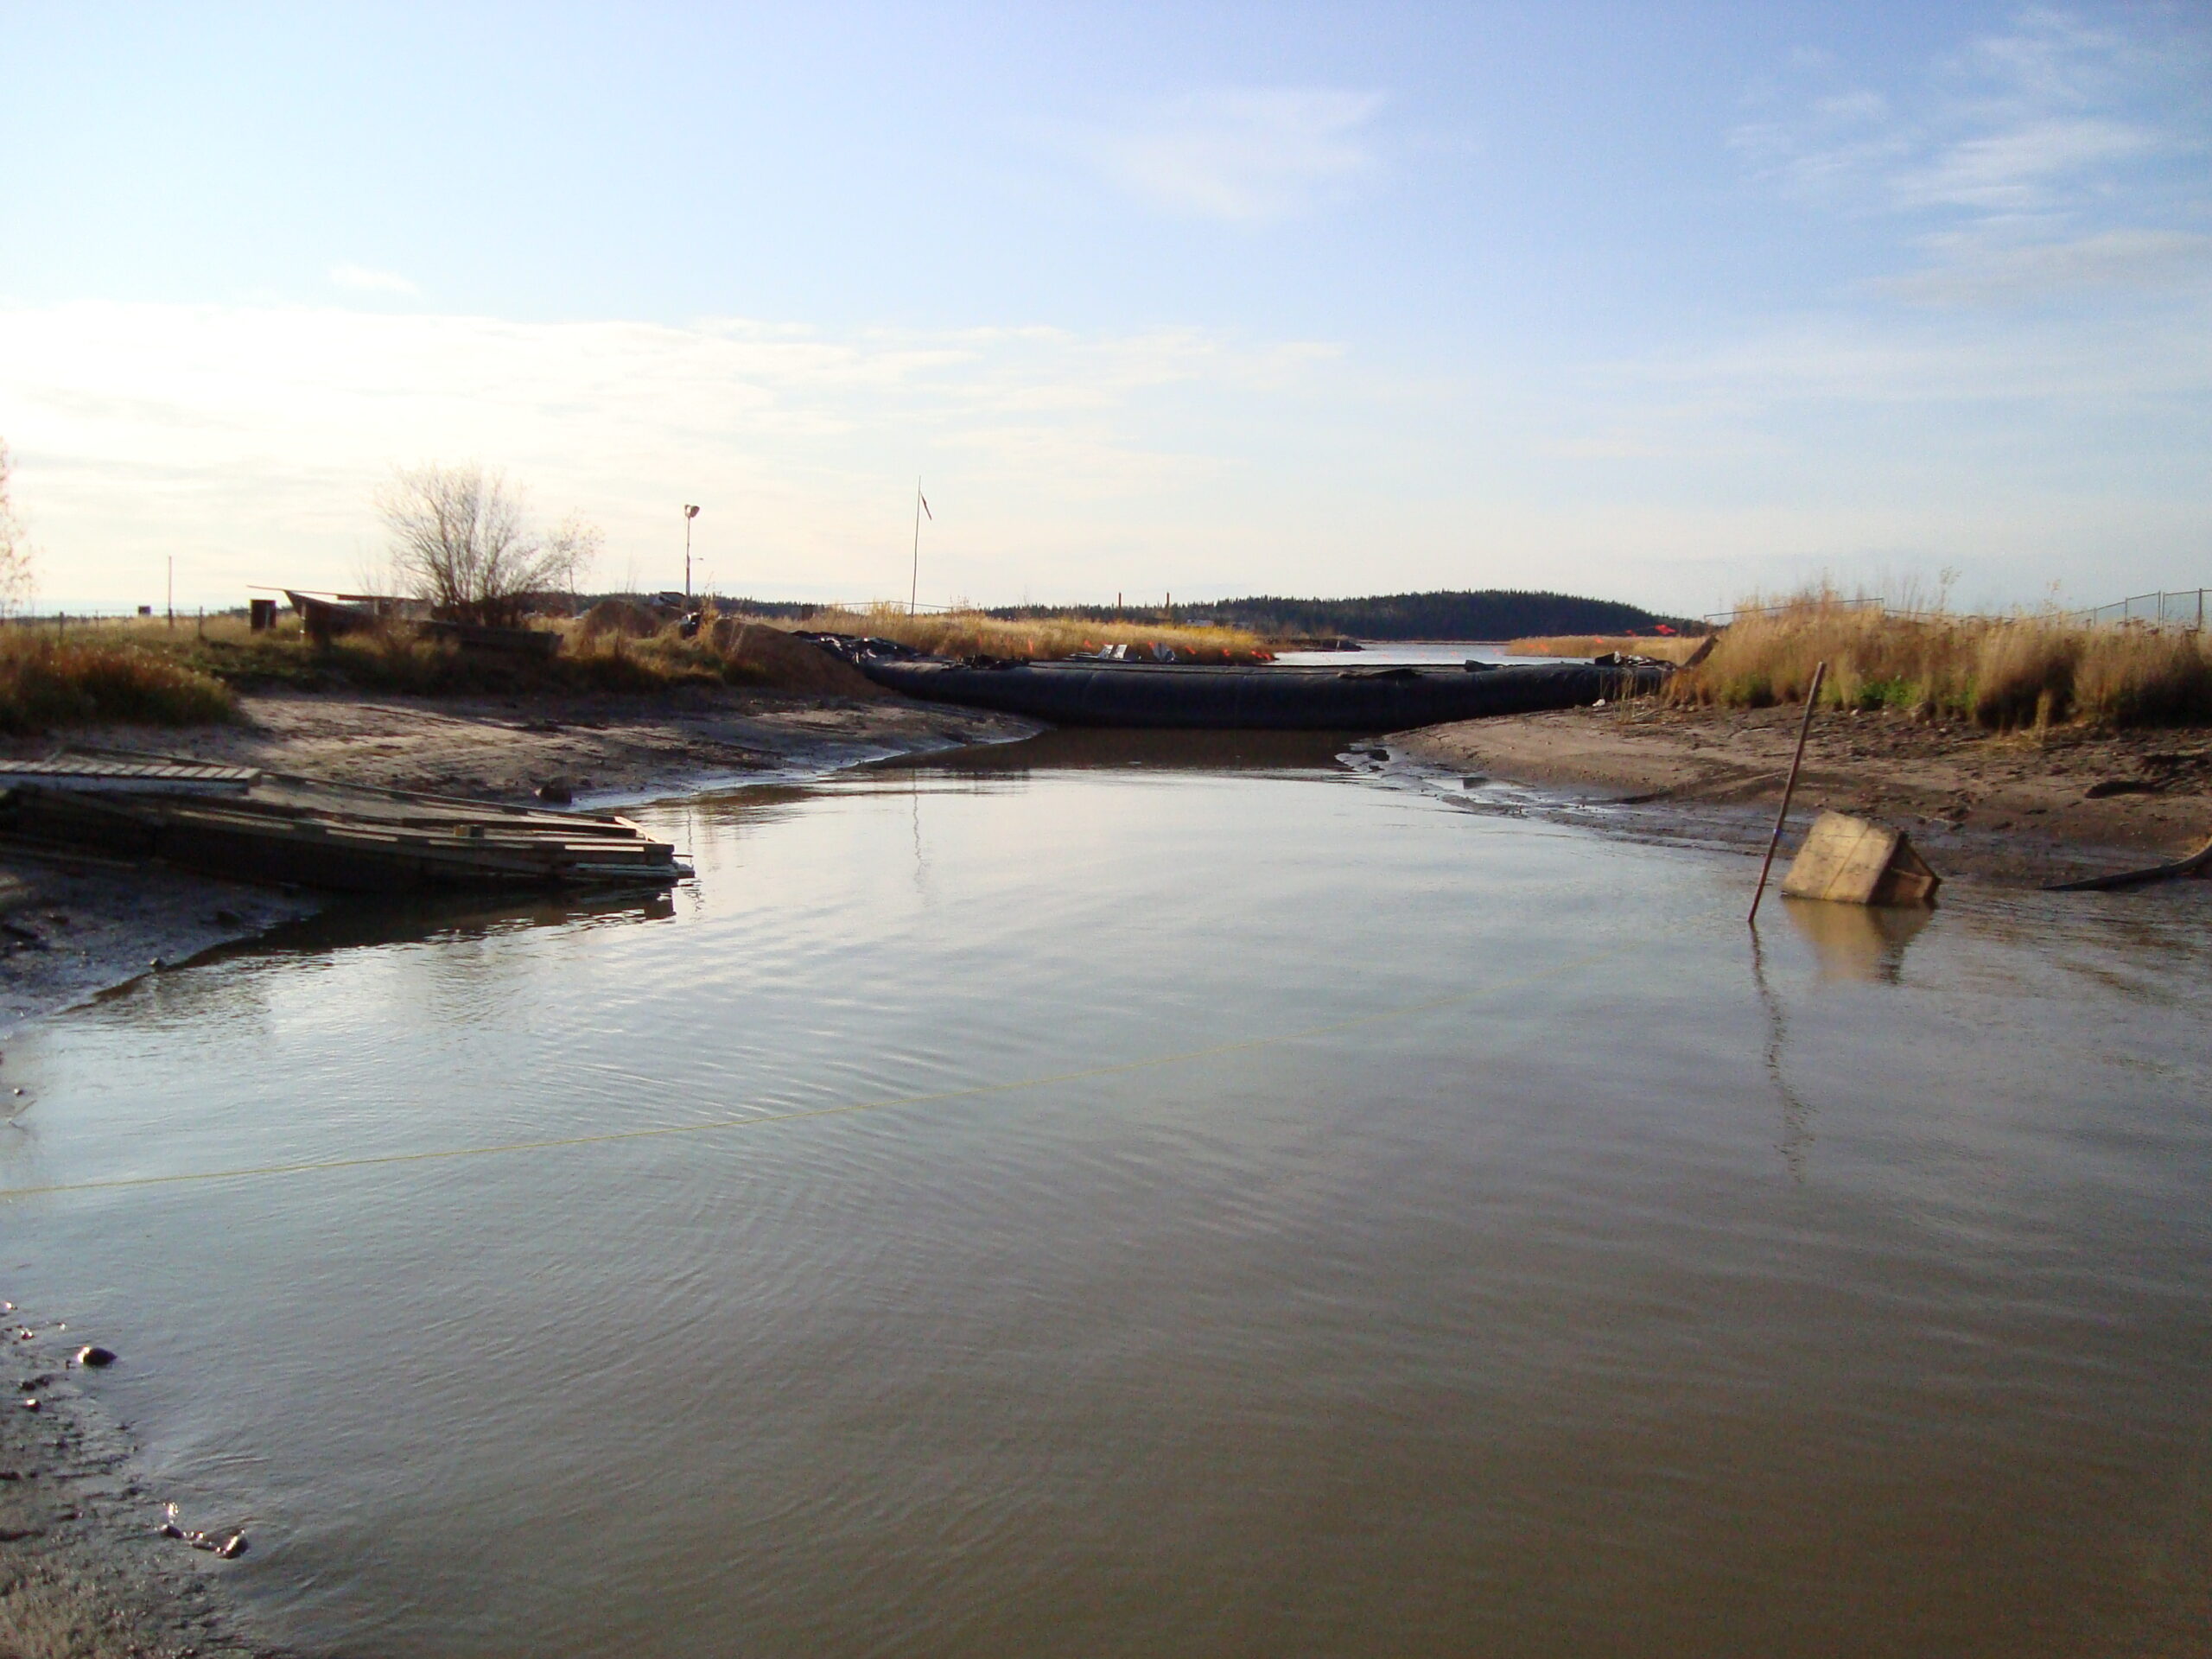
x,y
461,539
16,572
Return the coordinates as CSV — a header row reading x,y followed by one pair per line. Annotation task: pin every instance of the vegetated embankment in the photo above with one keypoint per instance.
x,y
2023,749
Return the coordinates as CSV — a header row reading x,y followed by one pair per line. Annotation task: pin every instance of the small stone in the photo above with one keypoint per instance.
x,y
93,1354
156,964
29,1404
232,1547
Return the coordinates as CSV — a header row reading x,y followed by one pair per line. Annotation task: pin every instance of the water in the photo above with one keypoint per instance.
x,y
1195,1199
1436,654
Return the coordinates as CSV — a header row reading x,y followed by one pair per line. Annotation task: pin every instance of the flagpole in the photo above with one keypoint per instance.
x,y
914,587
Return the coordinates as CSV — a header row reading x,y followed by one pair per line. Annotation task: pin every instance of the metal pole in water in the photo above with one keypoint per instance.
x,y
1789,789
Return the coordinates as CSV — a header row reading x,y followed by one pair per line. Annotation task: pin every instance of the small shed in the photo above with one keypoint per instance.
x,y
1857,861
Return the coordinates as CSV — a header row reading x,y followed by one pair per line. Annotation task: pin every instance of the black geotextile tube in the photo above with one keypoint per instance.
x,y
1256,699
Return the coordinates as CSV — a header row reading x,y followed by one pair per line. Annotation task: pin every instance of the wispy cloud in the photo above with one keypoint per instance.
x,y
1245,156
1972,271
2029,166
247,439
2051,154
361,279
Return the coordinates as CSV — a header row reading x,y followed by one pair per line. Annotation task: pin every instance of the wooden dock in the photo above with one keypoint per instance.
x,y
260,827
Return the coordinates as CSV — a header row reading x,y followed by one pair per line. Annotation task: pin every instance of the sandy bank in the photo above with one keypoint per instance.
x,y
80,925
2019,810
83,1573
604,747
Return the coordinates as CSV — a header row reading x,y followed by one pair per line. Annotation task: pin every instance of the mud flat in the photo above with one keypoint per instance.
x,y
85,1573
2023,810
602,747
76,926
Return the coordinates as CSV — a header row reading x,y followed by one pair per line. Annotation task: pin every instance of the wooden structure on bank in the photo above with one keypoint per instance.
x,y
1855,862
246,825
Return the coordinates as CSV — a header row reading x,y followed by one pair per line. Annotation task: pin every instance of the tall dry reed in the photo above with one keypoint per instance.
x,y
971,633
2002,673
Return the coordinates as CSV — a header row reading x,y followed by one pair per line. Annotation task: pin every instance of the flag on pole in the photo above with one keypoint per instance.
x,y
924,501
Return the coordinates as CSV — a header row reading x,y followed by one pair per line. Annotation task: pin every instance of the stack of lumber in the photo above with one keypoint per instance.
x,y
251,826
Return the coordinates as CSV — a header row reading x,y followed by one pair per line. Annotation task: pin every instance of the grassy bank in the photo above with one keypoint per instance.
x,y
1666,649
2003,674
974,633
142,671
96,676
147,672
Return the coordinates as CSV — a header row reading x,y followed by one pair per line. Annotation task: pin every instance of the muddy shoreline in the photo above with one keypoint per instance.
x,y
81,925
2021,812
84,1570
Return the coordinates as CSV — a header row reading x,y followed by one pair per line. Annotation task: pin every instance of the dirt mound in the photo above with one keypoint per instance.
x,y
624,617
789,664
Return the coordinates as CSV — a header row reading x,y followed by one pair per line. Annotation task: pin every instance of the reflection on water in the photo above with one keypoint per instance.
x,y
1857,941
1796,1116
1105,1197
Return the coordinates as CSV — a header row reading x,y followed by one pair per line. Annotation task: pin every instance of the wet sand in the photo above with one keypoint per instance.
x,y
84,1570
81,925
2019,810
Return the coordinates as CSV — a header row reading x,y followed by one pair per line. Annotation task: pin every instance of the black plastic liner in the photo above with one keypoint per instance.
x,y
1262,699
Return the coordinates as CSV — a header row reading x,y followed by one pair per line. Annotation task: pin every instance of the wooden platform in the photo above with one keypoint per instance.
x,y
298,832
151,777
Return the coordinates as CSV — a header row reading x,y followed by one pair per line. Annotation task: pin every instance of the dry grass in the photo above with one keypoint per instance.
x,y
1668,649
2004,674
142,669
224,652
91,679
971,633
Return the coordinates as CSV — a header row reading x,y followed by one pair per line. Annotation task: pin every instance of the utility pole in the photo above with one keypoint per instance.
x,y
690,513
171,606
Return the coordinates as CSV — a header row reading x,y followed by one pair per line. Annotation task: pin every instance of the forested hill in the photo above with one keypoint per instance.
x,y
1488,613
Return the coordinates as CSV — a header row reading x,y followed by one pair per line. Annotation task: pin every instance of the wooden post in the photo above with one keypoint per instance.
x,y
1789,789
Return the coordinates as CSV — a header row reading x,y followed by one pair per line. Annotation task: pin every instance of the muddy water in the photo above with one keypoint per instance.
x,y
1103,1200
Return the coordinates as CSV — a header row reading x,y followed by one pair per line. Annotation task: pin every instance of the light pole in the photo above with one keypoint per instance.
x,y
690,513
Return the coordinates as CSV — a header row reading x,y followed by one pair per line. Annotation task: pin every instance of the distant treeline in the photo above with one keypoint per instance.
x,y
1487,614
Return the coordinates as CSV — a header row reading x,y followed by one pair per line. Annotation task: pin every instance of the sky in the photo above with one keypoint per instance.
x,y
1666,304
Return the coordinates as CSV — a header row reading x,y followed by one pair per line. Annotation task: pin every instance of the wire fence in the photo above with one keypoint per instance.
x,y
2182,609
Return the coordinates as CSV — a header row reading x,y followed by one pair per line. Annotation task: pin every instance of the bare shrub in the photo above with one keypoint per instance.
x,y
17,571
461,539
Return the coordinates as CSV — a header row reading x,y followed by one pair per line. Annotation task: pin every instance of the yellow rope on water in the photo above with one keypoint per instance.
x,y
973,1091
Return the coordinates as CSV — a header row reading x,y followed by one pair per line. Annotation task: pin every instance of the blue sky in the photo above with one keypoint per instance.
x,y
1663,304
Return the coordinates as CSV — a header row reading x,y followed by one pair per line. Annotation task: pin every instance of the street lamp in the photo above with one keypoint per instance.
x,y
690,513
